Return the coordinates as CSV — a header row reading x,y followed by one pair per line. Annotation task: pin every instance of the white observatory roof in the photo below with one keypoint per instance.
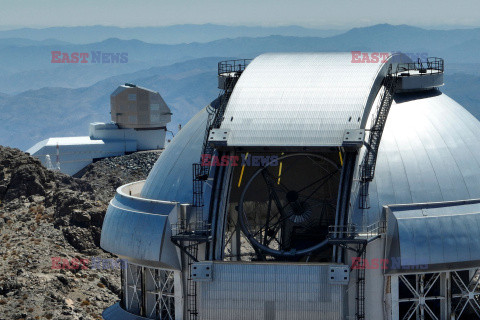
x,y
64,141
301,99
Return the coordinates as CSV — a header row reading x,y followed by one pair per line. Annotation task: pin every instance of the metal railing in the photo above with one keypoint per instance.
x,y
431,65
230,66
377,126
191,230
351,230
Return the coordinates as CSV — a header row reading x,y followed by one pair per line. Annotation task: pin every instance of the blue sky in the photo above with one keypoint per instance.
x,y
325,14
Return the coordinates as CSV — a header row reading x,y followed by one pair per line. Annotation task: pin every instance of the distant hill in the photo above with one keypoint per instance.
x,y
407,38
3,97
166,35
4,42
66,75
468,68
465,89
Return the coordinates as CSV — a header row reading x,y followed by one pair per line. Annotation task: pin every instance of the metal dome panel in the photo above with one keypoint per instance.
x,y
301,99
434,235
429,153
171,176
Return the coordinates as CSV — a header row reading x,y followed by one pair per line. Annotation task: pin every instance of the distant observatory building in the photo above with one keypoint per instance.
x,y
312,188
139,122
138,108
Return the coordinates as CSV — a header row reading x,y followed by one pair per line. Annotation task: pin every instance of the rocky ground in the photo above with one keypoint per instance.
x,y
107,175
49,222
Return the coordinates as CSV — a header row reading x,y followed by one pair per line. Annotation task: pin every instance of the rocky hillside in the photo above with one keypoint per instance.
x,y
51,265
107,175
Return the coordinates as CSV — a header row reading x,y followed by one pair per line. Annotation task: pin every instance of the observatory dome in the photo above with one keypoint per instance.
x,y
340,164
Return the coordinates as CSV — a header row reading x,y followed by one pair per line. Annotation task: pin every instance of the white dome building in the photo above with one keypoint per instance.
x,y
342,191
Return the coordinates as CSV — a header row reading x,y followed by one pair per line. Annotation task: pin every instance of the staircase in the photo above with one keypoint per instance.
x,y
378,124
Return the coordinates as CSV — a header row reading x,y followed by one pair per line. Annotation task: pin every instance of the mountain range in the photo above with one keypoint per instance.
x,y
175,34
40,99
28,65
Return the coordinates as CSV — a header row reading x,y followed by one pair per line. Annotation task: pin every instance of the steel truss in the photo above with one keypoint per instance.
x,y
133,288
468,293
163,294
436,296
420,290
149,292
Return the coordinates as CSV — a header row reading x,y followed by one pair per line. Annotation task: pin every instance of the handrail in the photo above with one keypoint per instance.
x,y
432,64
352,230
229,66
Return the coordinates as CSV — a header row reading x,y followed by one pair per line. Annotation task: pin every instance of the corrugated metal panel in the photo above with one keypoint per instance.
x,y
434,235
267,291
301,99
429,153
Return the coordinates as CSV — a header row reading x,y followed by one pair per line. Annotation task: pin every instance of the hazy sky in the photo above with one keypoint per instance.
x,y
338,14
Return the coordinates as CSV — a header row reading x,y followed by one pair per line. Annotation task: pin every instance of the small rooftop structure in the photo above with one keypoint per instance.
x,y
138,108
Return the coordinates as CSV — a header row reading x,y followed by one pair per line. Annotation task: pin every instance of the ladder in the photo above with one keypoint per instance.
x,y
360,305
367,166
192,310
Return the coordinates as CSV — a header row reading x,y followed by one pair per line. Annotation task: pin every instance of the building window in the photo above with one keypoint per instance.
x,y
132,96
